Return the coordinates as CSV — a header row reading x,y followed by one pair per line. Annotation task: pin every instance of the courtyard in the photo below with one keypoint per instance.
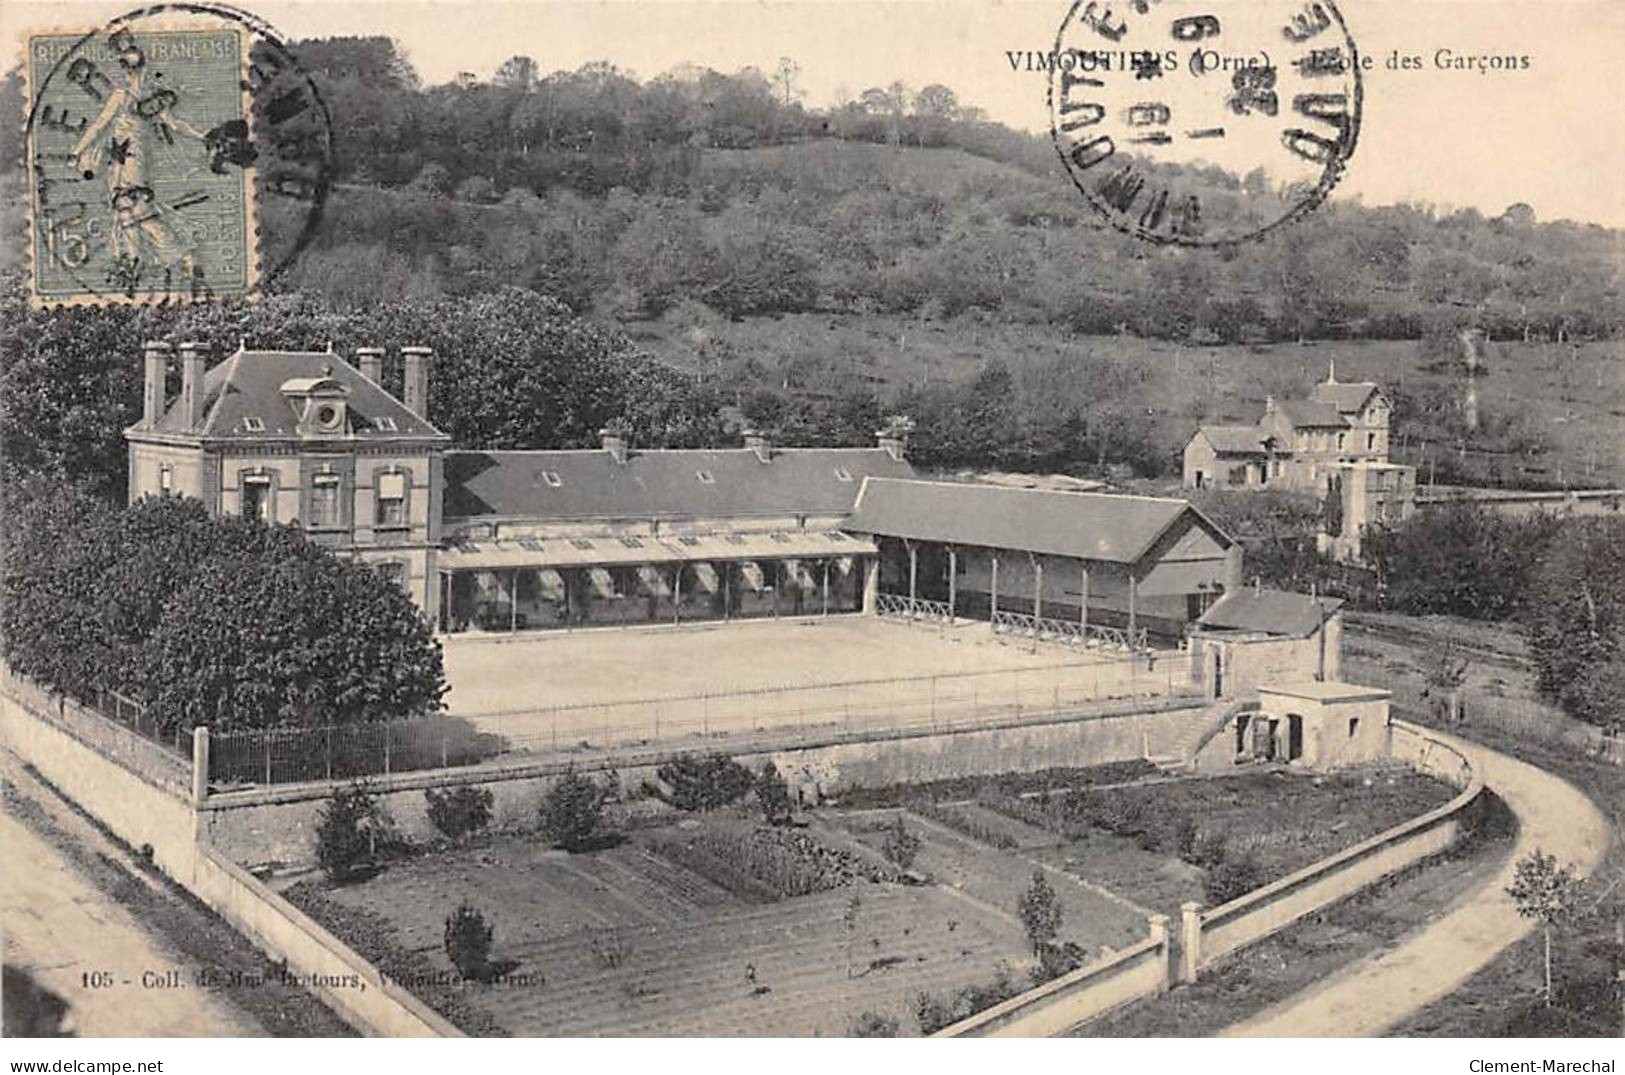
x,y
853,673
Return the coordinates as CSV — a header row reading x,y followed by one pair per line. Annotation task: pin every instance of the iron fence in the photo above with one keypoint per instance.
x,y
338,752
912,608
856,708
1043,628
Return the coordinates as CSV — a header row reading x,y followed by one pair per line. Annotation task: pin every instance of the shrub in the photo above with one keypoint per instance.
x,y
935,1012
773,794
705,783
874,1025
1185,836
347,832
1209,850
901,846
1040,912
459,812
572,811
1231,878
1055,960
468,942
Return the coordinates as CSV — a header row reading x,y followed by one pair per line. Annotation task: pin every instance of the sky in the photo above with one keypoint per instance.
x,y
1551,133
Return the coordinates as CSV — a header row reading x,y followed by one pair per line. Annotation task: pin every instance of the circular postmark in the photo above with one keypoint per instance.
x,y
171,152
1201,124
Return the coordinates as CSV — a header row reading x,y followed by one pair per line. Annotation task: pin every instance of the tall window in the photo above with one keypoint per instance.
x,y
393,570
391,500
1370,442
256,497
324,501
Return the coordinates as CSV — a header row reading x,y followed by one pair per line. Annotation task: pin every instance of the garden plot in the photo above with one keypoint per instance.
x,y
1162,844
994,878
685,928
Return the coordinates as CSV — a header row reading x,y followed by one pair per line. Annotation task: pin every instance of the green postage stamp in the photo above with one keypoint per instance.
x,y
140,163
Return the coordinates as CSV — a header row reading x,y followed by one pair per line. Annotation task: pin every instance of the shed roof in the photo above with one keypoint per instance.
x,y
244,398
590,484
1088,526
1276,612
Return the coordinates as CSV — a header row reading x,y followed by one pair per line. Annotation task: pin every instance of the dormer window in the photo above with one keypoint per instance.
x,y
252,424
319,402
581,543
632,543
384,424
842,474
551,479
705,477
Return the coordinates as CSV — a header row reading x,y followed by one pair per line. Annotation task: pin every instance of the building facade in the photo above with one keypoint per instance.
x,y
1332,445
500,541
301,438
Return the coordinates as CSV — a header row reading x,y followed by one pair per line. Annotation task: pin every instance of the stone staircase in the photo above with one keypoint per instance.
x,y
1181,759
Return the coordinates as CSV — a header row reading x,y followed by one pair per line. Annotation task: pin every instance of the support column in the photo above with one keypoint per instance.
x,y
677,595
826,587
1038,588
913,572
200,765
1190,940
513,600
1133,594
994,587
1159,936
953,580
871,584
1083,595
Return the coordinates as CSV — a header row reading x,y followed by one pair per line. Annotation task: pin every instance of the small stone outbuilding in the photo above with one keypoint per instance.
x,y
1320,725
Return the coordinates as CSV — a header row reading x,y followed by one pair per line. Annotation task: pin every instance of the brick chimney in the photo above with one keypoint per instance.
x,y
370,361
194,359
157,354
758,442
894,438
416,393
614,442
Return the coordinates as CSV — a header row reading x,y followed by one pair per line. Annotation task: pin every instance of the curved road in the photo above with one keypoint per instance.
x,y
1372,995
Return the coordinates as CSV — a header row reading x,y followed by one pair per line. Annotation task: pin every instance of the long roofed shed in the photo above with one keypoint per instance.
x,y
1108,527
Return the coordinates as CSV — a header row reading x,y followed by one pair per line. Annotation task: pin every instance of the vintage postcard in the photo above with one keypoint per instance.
x,y
694,521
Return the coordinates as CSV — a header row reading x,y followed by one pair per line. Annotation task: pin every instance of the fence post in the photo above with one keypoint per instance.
x,y
386,749
1190,940
1159,936
200,764
329,752
266,739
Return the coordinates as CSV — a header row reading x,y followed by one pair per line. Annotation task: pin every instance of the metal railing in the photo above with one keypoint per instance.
x,y
338,752
1088,634
856,708
912,608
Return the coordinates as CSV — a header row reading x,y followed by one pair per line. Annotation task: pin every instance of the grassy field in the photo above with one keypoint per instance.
x,y
1573,399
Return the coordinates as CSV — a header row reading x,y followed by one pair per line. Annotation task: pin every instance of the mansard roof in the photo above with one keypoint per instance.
x,y
245,398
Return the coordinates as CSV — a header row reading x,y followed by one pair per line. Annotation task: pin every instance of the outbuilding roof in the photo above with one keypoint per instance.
x,y
1087,526
1276,612
245,397
592,484
1310,414
1347,396
1235,440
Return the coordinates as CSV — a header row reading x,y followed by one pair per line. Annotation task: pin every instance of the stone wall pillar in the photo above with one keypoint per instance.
x,y
1190,940
200,764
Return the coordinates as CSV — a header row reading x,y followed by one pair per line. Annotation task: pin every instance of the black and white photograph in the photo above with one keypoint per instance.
x,y
813,519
